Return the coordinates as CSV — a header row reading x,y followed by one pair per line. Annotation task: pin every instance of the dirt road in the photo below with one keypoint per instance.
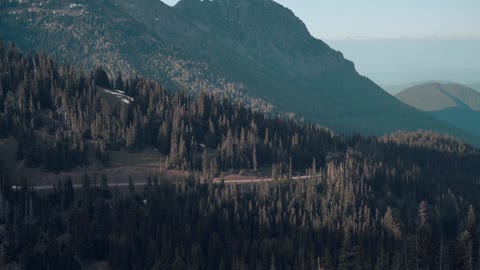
x,y
216,180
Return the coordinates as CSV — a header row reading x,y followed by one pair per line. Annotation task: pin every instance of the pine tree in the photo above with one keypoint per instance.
x,y
290,170
391,224
205,165
424,234
274,172
174,159
119,82
254,158
131,186
469,244
347,253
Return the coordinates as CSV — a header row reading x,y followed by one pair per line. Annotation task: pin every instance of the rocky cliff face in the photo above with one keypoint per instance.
x,y
256,51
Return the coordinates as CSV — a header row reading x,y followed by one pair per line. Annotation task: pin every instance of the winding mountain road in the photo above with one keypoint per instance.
x,y
140,184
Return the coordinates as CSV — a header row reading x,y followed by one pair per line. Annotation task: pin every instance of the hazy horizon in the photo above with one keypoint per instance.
x,y
393,62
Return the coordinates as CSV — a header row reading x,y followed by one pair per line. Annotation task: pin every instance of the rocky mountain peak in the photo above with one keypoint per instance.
x,y
255,13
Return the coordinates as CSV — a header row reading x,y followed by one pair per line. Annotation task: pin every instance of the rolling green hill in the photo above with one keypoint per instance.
x,y
452,103
257,52
397,88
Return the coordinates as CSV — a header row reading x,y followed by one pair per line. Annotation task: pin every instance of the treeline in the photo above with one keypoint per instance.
x,y
115,45
55,113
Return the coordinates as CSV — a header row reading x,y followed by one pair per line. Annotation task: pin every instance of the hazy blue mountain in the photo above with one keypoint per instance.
x,y
397,88
475,86
452,103
255,51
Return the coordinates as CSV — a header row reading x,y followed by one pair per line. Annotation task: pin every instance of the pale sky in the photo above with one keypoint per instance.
x,y
341,19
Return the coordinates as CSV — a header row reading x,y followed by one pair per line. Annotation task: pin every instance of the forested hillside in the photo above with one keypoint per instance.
x,y
403,201
254,51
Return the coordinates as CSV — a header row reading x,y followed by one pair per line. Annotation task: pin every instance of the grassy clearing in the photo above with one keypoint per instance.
x,y
123,164
138,165
147,157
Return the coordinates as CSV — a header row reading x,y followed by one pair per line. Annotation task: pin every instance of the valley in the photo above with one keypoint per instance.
x,y
223,135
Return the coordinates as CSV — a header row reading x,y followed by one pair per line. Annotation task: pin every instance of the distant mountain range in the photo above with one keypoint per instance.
x,y
397,88
455,104
255,51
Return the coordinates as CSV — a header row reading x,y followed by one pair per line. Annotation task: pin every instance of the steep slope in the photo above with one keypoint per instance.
x,y
255,51
452,103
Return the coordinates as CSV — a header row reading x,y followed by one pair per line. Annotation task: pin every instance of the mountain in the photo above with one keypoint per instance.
x,y
475,86
452,103
397,88
138,177
255,51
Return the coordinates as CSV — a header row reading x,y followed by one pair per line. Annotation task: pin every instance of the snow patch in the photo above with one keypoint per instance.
x,y
76,5
120,95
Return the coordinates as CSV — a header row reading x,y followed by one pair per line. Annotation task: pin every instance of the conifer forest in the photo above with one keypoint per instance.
x,y
407,200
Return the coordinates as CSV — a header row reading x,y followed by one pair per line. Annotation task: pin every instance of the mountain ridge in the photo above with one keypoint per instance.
x,y
260,54
438,96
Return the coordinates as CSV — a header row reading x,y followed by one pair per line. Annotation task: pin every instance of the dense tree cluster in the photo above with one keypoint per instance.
x,y
338,219
56,113
111,39
428,140
405,201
